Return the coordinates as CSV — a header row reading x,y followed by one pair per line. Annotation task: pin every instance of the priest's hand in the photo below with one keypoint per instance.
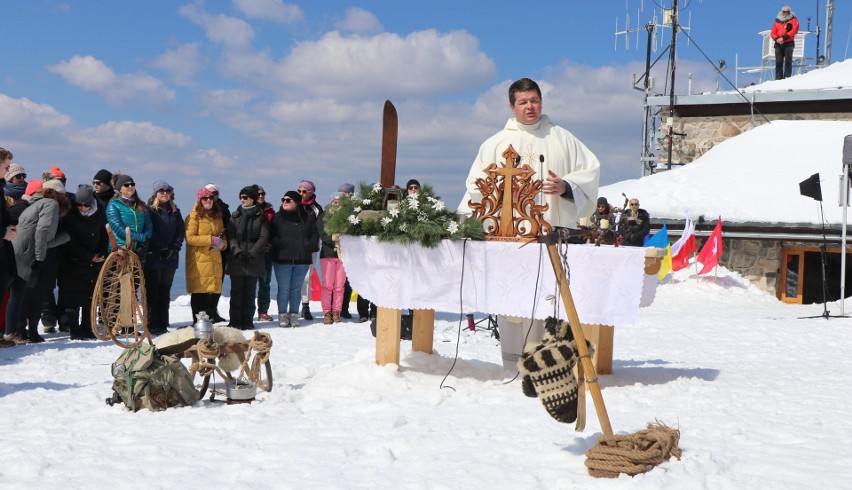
x,y
554,184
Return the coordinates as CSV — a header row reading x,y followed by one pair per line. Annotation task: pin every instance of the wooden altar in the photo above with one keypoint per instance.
x,y
397,277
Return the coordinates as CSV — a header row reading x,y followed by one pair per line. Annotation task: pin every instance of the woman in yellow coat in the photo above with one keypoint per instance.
x,y
205,240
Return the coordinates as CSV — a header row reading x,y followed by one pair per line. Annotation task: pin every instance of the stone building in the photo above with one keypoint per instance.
x,y
776,254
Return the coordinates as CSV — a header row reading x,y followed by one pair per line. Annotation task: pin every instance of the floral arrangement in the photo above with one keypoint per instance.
x,y
421,217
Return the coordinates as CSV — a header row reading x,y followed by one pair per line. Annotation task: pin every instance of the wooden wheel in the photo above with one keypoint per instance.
x,y
119,306
265,382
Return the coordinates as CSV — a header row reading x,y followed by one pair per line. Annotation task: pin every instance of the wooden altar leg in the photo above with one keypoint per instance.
x,y
601,337
388,332
423,329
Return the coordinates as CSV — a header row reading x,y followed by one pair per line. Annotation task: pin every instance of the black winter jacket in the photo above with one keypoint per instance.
x,y
294,237
248,234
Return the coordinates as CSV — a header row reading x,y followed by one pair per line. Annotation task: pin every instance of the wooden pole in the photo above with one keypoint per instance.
x,y
579,338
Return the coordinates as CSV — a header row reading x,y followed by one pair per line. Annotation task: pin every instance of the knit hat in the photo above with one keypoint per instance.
x,y
85,194
162,184
602,201
211,187
34,186
412,182
547,371
54,184
308,185
121,180
14,169
203,192
250,191
295,196
346,188
59,174
104,176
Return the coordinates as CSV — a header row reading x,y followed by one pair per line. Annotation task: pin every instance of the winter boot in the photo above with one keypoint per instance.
x,y
327,319
294,320
306,311
284,320
335,316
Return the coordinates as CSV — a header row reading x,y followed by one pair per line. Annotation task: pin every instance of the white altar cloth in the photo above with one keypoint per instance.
x,y
499,278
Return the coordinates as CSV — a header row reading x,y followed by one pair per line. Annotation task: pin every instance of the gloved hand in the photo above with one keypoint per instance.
x,y
218,243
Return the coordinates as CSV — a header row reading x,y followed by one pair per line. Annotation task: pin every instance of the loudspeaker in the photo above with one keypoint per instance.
x,y
810,187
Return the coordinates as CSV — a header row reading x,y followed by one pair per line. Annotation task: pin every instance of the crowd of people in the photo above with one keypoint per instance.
x,y
55,239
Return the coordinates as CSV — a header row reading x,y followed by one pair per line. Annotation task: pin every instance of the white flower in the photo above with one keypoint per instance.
x,y
439,205
412,202
386,221
403,226
354,220
366,202
377,187
393,212
421,217
452,227
357,209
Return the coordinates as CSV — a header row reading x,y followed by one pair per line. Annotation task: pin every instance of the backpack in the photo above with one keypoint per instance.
x,y
146,378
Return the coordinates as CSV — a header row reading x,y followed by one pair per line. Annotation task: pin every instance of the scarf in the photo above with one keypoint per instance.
x,y
310,202
248,213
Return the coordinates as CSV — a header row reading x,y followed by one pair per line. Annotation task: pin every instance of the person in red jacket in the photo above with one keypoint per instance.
x,y
784,34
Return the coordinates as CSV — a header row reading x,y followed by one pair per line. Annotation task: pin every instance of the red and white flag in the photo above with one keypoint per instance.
x,y
684,247
712,249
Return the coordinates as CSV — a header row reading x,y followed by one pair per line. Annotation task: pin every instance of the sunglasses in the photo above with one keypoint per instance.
x,y
303,191
244,197
20,176
97,182
634,204
162,190
83,206
413,187
261,194
129,184
207,198
286,199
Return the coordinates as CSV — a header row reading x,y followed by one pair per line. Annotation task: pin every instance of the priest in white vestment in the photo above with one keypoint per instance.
x,y
570,170
570,174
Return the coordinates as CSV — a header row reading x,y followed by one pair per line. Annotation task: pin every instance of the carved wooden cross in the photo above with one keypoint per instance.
x,y
509,172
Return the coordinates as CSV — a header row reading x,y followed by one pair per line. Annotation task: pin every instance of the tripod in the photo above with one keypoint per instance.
x,y
823,252
491,325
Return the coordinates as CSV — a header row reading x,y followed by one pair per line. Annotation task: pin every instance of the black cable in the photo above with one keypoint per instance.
x,y
461,315
741,94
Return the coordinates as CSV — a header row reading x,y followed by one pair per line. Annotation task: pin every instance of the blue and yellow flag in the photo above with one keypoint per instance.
x,y
660,239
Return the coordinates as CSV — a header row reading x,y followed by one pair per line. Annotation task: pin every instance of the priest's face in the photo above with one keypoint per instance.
x,y
527,107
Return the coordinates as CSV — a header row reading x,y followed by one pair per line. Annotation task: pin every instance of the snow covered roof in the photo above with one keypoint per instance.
x,y
827,84
751,178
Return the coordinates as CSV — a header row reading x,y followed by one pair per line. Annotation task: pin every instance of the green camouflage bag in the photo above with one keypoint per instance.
x,y
145,378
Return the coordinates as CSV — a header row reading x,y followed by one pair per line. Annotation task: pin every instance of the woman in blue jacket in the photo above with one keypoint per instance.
x,y
126,210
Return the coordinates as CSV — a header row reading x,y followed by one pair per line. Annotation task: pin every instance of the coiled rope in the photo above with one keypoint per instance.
x,y
207,349
261,346
633,454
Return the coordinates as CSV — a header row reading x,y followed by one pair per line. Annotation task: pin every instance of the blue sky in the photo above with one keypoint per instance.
x,y
263,91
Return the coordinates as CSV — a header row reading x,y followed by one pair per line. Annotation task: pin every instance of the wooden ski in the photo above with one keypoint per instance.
x,y
390,126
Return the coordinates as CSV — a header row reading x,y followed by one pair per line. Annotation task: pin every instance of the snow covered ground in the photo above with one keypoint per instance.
x,y
760,396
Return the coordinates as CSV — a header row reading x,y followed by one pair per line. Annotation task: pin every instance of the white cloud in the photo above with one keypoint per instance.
x,y
128,134
274,10
25,116
182,62
421,63
86,72
231,32
359,21
93,75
